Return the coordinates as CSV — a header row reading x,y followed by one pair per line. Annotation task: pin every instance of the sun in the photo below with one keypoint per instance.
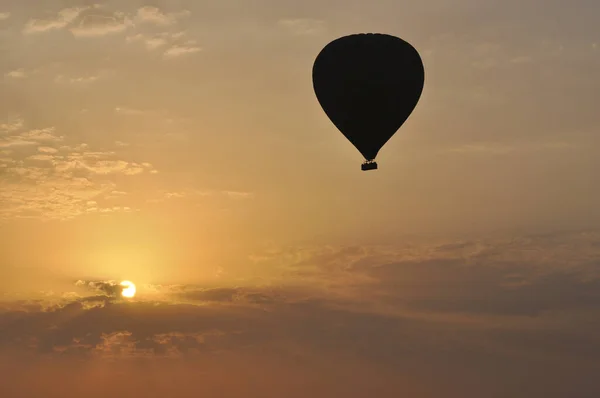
x,y
128,289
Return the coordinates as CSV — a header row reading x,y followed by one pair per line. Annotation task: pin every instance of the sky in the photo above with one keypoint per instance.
x,y
179,145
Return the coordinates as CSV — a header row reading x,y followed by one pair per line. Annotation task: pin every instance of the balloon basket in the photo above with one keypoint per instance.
x,y
369,165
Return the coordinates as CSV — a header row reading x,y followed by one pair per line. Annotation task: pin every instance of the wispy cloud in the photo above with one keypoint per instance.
x,y
195,194
115,195
151,43
4,16
96,25
31,137
46,149
178,50
44,178
59,21
128,111
174,44
84,79
154,15
97,21
76,80
12,125
16,74
239,195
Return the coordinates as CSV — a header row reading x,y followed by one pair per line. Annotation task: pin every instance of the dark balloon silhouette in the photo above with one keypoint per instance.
x,y
368,84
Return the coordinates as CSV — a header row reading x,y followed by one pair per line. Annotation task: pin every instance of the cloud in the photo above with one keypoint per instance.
x,y
174,195
193,194
98,163
115,195
89,22
110,289
128,111
223,295
495,309
31,137
44,178
239,195
154,15
16,74
12,125
60,21
46,149
41,135
83,80
4,16
303,26
179,50
155,42
96,21
43,158
175,43
102,25
151,43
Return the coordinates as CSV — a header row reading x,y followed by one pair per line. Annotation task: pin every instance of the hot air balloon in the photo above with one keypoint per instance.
x,y
368,84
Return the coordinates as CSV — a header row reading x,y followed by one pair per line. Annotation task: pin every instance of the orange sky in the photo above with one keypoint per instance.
x,y
179,145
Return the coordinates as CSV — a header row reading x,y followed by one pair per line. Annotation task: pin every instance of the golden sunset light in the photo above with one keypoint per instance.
x,y
299,198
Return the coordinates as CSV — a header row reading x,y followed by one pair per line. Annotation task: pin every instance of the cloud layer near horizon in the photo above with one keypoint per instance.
x,y
489,311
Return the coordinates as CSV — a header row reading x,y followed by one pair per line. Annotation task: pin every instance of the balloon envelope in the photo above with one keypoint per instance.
x,y
368,85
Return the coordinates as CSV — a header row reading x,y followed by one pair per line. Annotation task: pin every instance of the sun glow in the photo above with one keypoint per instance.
x,y
128,289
